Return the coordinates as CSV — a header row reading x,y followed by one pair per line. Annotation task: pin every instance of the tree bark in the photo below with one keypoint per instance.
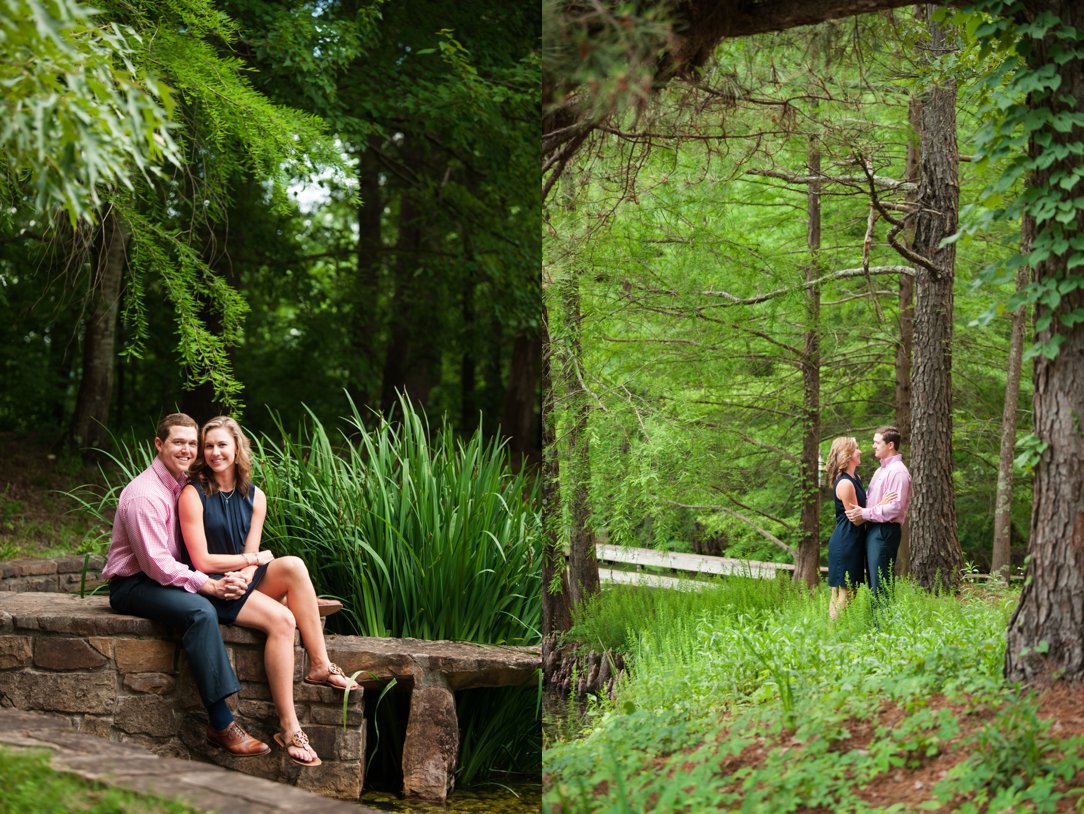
x,y
410,361
1001,555
1045,639
905,346
89,423
582,564
807,563
936,558
520,421
556,600
468,361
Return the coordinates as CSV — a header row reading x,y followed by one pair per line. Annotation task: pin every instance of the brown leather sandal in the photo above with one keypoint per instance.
x,y
300,741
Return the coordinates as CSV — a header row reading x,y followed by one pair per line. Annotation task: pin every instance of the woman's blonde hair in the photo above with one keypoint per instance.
x,y
839,456
242,462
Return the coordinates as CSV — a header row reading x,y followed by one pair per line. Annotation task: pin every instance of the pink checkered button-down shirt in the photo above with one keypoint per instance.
x,y
891,476
146,534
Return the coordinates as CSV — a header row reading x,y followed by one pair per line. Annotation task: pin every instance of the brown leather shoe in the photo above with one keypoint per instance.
x,y
237,741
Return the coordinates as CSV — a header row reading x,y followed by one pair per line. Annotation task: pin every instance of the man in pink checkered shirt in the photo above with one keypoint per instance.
x,y
884,520
147,578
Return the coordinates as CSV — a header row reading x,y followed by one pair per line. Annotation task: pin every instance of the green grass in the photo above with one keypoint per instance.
x,y
738,704
28,784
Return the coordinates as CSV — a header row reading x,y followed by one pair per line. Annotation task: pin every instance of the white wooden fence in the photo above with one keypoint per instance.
x,y
687,563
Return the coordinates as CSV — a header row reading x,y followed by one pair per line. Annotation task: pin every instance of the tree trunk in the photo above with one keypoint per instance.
x,y
468,361
556,599
1001,556
807,563
364,370
936,558
520,421
1046,633
582,564
905,346
411,359
89,423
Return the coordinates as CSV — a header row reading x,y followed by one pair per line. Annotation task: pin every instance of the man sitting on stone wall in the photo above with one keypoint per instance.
x,y
147,578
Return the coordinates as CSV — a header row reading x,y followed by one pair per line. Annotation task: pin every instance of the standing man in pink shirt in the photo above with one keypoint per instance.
x,y
147,578
884,520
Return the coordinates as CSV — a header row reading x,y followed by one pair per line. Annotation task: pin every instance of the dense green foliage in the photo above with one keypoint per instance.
x,y
419,534
684,231
726,673
355,207
81,112
30,785
1048,120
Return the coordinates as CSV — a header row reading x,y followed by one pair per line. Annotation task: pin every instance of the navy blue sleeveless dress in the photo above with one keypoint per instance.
x,y
847,545
226,521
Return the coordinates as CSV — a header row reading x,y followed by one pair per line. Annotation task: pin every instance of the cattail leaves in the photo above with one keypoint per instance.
x,y
419,533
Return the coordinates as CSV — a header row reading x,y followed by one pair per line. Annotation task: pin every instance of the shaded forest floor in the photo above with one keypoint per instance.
x,y
36,520
746,698
1005,738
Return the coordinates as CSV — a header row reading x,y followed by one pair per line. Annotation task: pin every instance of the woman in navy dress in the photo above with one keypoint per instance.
x,y
847,545
222,514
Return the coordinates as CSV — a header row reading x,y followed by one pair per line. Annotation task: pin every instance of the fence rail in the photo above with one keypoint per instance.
x,y
698,564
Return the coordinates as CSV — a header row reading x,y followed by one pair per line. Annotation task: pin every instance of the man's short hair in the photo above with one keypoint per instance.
x,y
890,435
175,420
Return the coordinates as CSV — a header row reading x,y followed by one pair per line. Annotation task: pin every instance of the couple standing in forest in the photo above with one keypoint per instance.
x,y
186,551
866,539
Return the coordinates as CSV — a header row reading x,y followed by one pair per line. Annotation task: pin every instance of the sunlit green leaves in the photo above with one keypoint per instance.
x,y
79,112
1025,107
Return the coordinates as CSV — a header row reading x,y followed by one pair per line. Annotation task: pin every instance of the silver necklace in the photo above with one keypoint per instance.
x,y
225,497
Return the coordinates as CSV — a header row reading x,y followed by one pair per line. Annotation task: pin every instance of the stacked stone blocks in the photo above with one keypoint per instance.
x,y
125,678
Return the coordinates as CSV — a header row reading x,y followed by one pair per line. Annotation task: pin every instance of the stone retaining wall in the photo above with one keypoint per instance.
x,y
125,678
63,575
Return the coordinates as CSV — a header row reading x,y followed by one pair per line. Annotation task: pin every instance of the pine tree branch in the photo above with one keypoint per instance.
x,y
763,532
841,274
846,180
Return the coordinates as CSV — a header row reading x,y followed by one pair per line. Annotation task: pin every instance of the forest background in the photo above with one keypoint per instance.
x,y
793,185
724,299
269,204
319,217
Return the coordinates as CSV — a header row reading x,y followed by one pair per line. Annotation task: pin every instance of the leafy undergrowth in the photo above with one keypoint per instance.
x,y
36,519
769,707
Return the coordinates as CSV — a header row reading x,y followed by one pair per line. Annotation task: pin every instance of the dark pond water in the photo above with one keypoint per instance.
x,y
518,797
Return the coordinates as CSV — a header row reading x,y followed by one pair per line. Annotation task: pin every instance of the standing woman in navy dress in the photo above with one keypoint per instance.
x,y
847,545
222,514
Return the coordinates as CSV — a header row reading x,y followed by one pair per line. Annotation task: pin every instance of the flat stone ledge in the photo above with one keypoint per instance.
x,y
464,665
92,616
127,765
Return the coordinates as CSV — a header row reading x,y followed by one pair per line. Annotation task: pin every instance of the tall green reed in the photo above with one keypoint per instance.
x,y
419,533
